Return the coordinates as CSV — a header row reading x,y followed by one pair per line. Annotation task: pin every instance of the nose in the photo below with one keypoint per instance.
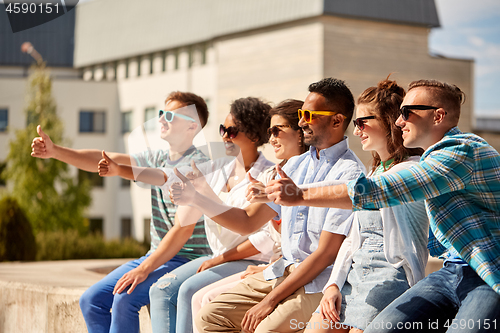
x,y
400,122
356,131
302,123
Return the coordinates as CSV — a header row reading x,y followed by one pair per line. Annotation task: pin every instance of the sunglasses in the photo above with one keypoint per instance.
x,y
276,129
231,131
360,122
307,114
406,109
169,116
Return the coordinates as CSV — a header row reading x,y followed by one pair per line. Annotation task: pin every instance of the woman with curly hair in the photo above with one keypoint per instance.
x,y
386,250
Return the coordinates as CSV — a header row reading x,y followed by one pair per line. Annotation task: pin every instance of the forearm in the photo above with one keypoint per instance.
x,y
86,159
308,270
242,221
242,251
150,176
334,196
169,246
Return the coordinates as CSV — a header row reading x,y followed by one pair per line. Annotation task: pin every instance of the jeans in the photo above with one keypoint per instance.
x,y
171,294
97,301
453,299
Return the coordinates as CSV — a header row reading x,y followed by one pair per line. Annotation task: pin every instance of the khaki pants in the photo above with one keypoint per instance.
x,y
226,311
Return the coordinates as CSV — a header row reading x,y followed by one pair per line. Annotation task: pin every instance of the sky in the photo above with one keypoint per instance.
x,y
471,30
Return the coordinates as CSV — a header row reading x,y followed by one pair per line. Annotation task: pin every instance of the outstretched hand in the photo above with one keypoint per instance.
x,y
42,146
107,167
284,191
256,190
183,192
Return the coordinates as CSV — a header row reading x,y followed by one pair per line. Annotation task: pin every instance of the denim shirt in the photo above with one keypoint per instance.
x,y
301,225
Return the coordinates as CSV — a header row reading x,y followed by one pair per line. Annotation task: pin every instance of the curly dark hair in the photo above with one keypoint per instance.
x,y
385,100
288,110
251,116
337,95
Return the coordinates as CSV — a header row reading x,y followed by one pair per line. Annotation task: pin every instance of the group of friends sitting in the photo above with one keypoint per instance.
x,y
315,243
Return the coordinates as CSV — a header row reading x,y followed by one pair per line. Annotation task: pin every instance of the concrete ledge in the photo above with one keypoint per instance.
x,y
42,297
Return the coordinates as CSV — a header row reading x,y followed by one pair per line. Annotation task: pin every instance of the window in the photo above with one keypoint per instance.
x,y
126,227
176,54
4,120
93,177
139,65
151,62
164,61
126,68
204,48
149,116
95,225
92,122
147,230
126,121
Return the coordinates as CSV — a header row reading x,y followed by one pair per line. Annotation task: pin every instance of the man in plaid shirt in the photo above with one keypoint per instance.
x,y
459,178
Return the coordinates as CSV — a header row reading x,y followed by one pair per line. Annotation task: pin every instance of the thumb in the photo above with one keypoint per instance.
x,y
193,166
280,171
181,176
41,133
106,157
251,179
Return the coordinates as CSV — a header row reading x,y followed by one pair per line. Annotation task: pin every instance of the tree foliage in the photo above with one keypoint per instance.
x,y
17,241
44,188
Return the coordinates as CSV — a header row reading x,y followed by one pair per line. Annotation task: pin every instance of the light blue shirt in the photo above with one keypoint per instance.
x,y
301,226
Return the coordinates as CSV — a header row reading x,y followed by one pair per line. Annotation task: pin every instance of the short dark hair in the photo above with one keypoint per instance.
x,y
288,109
188,98
337,95
447,96
251,116
385,101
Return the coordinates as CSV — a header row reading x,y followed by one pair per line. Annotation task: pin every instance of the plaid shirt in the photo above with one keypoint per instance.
x,y
459,179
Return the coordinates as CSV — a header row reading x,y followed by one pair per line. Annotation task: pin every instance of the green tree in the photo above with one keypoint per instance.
x,y
51,198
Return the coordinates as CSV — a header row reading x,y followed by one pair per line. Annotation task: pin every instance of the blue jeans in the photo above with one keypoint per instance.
x,y
453,299
97,301
171,295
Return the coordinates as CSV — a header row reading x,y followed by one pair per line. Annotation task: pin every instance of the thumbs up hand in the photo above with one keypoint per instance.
x,y
255,191
42,146
284,191
107,167
197,178
183,192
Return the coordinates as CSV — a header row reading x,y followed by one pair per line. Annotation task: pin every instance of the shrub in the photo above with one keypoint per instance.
x,y
16,236
65,245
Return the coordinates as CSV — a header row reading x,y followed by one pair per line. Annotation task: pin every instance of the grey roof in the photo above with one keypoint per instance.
x,y
108,30
54,40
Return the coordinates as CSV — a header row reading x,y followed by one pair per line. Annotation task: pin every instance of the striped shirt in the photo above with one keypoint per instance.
x,y
459,179
163,210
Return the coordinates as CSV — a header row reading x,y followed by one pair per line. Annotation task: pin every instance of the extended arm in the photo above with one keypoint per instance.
x,y
241,251
85,159
242,221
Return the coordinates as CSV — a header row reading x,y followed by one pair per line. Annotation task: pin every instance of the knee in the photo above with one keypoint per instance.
x,y
86,301
163,289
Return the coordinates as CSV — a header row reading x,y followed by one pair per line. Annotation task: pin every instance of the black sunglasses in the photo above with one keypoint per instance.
x,y
231,131
360,122
406,109
276,129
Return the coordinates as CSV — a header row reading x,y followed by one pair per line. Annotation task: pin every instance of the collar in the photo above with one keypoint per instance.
x,y
453,131
332,152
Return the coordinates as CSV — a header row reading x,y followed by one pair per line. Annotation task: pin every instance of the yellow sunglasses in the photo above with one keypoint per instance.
x,y
307,114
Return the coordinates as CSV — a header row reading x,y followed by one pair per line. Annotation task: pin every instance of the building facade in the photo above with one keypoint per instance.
x,y
131,57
